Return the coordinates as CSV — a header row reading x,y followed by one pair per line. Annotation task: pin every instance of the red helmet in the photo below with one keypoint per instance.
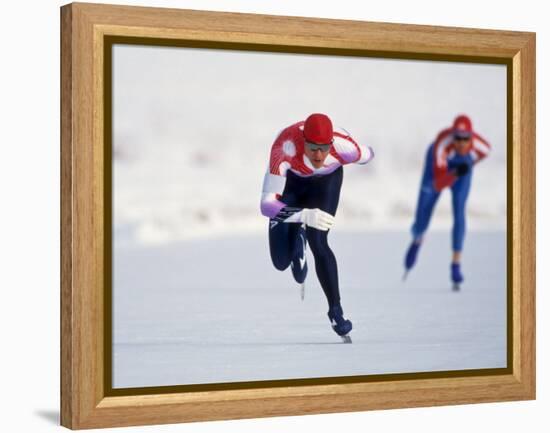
x,y
462,126
318,129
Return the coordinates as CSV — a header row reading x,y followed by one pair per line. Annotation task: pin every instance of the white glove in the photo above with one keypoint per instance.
x,y
315,218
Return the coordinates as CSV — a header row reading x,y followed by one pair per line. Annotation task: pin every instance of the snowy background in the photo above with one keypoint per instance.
x,y
196,299
193,130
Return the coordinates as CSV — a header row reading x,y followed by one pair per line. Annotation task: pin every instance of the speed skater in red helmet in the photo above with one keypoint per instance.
x,y
449,162
300,197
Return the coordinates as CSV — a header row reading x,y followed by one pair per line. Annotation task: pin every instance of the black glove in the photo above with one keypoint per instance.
x,y
462,169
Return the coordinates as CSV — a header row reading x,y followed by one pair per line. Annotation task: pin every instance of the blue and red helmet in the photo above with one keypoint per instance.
x,y
462,126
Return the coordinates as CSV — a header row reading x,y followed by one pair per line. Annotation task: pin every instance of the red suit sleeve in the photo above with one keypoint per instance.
x,y
442,177
480,147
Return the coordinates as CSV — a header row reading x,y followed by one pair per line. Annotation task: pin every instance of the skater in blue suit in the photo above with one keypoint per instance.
x,y
450,160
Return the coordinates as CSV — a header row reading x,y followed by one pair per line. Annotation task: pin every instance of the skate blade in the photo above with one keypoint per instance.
x,y
346,339
456,287
405,275
302,291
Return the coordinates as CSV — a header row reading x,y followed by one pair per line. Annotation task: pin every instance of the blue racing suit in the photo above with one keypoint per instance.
x,y
428,196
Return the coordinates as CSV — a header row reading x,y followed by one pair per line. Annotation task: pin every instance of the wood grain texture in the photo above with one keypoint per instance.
x,y
84,403
310,32
525,220
67,386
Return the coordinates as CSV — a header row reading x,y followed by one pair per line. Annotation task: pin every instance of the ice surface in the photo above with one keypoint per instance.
x,y
215,310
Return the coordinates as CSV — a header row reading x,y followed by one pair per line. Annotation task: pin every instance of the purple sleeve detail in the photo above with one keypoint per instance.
x,y
349,156
271,207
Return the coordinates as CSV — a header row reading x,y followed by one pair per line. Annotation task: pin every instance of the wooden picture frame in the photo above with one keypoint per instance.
x,y
87,33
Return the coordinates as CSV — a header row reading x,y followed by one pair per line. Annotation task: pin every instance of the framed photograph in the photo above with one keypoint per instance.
x,y
267,215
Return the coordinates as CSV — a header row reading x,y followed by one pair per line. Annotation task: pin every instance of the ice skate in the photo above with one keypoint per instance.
x,y
456,276
339,324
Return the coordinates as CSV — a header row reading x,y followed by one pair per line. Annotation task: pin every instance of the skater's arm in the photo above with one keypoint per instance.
x,y
480,148
444,180
367,154
272,207
348,151
275,176
315,218
272,190
443,175
461,166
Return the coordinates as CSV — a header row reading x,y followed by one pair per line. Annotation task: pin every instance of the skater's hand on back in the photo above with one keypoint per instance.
x,y
317,219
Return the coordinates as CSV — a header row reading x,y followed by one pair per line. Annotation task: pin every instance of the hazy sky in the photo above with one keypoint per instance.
x,y
230,95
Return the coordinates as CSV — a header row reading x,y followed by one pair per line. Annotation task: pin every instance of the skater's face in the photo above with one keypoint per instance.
x,y
462,145
317,153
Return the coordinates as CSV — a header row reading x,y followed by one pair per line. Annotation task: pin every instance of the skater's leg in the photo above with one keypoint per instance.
x,y
282,243
460,191
325,195
284,237
325,264
427,199
298,264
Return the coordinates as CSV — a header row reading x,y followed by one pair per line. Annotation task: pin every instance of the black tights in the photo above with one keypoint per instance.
x,y
321,192
325,264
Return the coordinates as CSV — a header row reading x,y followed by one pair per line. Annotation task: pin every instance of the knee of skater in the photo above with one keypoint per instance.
x,y
281,265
